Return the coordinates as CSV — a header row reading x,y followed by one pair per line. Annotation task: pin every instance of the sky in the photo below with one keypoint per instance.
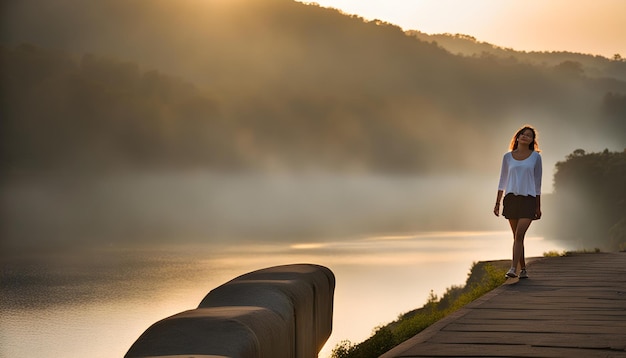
x,y
595,27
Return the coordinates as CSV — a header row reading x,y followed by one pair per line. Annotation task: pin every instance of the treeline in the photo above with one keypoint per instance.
x,y
589,200
90,114
267,84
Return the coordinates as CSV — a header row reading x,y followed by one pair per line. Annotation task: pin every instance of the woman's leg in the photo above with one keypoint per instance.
x,y
513,223
518,244
522,261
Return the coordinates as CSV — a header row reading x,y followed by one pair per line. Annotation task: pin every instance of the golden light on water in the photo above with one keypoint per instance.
x,y
398,250
310,246
435,234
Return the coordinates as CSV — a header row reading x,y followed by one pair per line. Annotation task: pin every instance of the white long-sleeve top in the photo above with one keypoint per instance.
x,y
521,177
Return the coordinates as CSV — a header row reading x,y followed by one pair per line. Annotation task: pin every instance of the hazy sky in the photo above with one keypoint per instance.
x,y
587,26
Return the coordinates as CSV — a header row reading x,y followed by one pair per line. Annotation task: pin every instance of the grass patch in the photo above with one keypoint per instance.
x,y
482,278
555,253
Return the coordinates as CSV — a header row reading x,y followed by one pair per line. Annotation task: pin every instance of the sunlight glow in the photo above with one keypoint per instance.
x,y
308,246
556,25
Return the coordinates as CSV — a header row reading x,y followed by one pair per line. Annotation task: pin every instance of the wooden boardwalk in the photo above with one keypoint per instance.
x,y
573,306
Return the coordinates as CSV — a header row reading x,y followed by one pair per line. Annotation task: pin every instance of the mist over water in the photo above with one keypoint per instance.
x,y
208,207
50,210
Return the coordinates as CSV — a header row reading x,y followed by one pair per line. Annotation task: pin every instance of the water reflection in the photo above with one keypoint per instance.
x,y
96,302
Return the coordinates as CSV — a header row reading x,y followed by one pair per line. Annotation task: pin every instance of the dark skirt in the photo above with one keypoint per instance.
x,y
519,206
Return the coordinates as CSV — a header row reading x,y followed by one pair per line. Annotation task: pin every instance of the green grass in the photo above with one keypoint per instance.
x,y
555,253
482,278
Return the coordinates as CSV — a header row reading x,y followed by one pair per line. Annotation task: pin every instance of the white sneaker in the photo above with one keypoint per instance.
x,y
511,273
523,273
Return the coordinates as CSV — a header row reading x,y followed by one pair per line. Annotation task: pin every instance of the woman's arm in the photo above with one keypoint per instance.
x,y
496,208
538,175
504,176
538,208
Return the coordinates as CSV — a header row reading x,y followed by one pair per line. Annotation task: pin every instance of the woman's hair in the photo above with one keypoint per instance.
x,y
532,146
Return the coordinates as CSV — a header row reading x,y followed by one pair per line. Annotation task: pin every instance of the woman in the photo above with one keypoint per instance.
x,y
520,180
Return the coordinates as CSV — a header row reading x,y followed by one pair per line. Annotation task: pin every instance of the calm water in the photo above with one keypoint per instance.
x,y
96,302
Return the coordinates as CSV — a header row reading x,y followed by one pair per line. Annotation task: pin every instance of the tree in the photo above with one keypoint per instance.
x,y
590,198
570,69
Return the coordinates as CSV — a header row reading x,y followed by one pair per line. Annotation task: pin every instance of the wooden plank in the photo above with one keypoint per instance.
x,y
505,350
617,322
614,341
530,326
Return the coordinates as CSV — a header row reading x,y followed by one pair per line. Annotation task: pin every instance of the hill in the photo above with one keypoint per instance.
x,y
280,85
590,65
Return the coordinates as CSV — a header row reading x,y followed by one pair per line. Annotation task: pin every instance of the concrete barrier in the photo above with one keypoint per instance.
x,y
221,331
282,311
293,303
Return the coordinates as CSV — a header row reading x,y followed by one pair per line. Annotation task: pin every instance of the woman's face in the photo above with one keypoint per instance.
x,y
526,137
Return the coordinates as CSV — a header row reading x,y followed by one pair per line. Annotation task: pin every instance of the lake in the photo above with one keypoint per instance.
x,y
96,302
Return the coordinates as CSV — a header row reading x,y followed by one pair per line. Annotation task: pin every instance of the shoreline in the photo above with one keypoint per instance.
x,y
483,277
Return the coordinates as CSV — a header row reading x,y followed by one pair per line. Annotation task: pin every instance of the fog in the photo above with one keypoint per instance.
x,y
129,209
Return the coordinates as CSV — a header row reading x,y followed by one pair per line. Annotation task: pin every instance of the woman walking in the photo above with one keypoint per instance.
x,y
520,181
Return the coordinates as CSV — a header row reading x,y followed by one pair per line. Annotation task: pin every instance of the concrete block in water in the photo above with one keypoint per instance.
x,y
282,311
236,332
278,296
320,279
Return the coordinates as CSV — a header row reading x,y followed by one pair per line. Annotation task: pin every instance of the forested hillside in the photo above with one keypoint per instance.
x,y
587,64
92,114
270,84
